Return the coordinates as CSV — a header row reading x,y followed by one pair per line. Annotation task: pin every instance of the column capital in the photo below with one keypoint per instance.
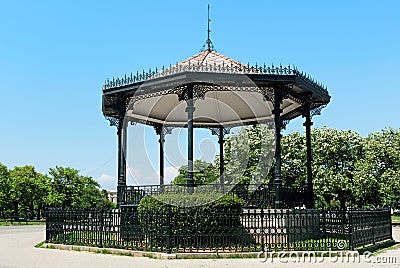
x,y
164,130
217,130
309,110
277,110
308,123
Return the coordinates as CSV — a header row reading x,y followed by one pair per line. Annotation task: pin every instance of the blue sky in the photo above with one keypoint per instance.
x,y
55,56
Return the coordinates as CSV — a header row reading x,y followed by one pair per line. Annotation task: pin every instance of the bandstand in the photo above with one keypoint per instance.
x,y
210,90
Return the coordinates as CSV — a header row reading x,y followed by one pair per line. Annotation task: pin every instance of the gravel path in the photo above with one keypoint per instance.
x,y
17,250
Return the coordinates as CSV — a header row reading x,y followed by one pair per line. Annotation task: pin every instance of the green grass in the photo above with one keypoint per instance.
x,y
40,244
103,251
396,219
190,257
128,254
150,256
8,223
240,256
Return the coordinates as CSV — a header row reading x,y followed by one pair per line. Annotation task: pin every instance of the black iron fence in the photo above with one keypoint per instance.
x,y
256,195
226,230
369,226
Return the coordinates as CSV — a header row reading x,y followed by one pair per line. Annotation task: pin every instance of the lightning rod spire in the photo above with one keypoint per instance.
x,y
208,45
208,28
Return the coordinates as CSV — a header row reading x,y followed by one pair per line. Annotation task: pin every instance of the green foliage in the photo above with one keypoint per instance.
x,y
188,223
347,169
335,154
205,200
249,154
71,190
204,173
25,192
5,184
293,159
377,173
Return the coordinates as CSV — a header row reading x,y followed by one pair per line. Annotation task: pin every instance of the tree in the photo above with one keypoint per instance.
x,y
5,204
249,154
294,159
40,193
377,173
347,169
28,190
335,153
204,173
71,190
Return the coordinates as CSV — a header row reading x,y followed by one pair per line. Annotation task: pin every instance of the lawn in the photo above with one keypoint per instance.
x,y
395,219
7,222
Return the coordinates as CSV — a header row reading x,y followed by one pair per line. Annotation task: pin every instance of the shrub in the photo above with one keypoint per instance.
x,y
216,223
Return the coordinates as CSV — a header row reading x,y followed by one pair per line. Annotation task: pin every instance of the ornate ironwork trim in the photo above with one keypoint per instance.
x,y
217,130
113,121
207,67
165,129
284,123
317,110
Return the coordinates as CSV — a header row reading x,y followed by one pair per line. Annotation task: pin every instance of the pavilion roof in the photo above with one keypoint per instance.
x,y
158,96
208,61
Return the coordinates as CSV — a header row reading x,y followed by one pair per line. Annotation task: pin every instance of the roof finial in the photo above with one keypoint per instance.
x,y
209,44
208,29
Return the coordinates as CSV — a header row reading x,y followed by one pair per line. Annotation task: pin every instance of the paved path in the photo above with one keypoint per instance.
x,y
17,250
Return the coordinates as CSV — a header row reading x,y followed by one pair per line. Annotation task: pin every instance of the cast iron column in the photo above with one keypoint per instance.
x,y
161,141
121,133
190,110
124,150
308,124
221,155
277,117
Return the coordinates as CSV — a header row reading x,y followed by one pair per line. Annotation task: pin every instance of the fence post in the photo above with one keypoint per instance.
x,y
61,218
373,227
168,238
390,222
47,213
101,227
262,231
351,240
323,212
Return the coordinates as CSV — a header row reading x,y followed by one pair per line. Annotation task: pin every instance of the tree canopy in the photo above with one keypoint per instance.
x,y
347,168
204,173
24,191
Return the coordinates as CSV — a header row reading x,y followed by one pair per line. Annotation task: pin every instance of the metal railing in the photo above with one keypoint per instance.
x,y
368,226
254,195
211,67
195,229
